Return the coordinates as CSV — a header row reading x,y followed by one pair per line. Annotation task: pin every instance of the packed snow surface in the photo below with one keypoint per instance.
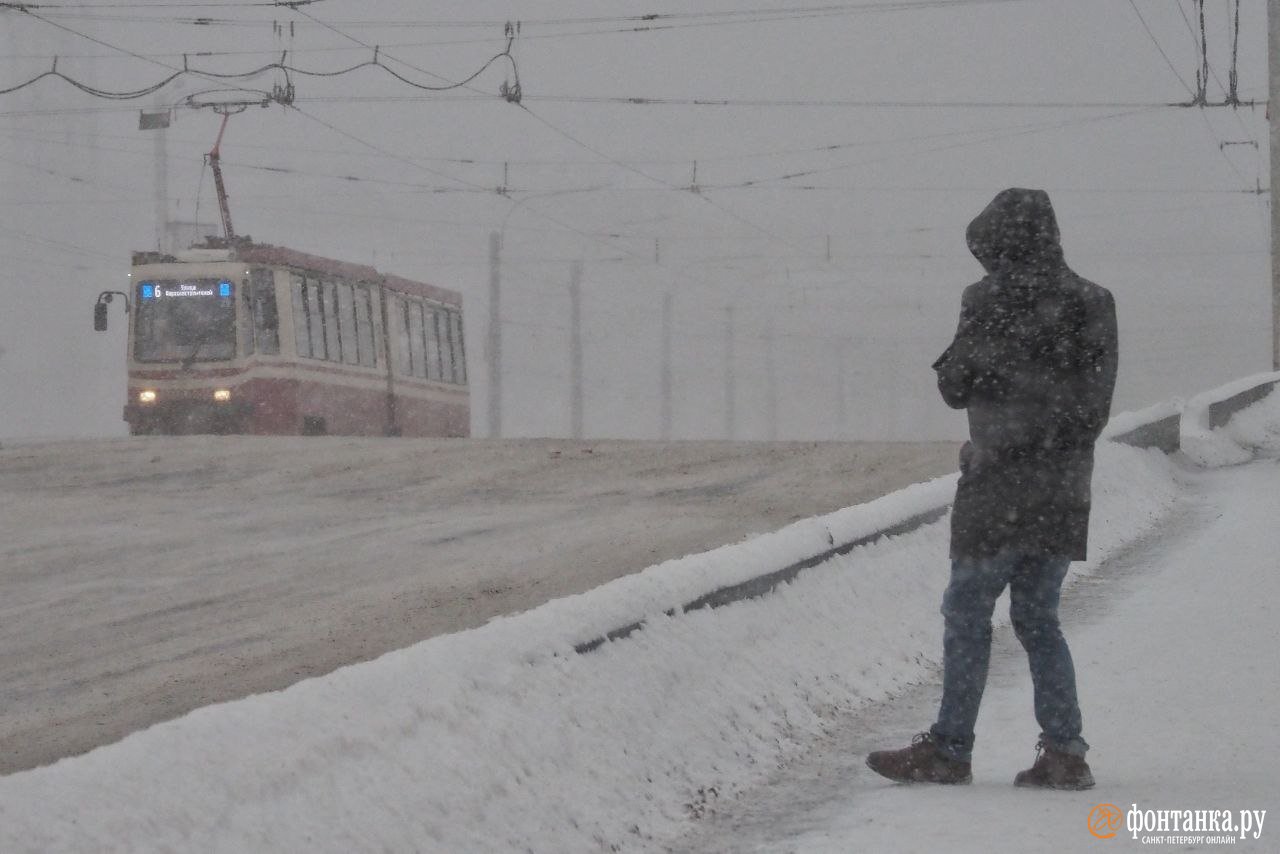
x,y
1175,645
502,738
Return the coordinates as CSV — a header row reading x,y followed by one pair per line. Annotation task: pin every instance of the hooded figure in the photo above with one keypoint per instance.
x,y
1034,364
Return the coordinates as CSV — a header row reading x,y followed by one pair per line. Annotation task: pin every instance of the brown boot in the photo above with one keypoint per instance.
x,y
1054,769
919,763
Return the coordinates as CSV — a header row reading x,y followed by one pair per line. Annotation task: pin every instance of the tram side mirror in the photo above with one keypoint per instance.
x,y
100,317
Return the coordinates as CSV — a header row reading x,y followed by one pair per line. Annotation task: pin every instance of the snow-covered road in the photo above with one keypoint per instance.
x,y
1175,641
142,578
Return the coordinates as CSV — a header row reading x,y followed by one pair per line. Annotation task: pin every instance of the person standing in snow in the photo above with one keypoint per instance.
x,y
1034,364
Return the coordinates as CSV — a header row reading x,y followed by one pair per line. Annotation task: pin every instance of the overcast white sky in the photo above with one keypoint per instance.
x,y
1065,96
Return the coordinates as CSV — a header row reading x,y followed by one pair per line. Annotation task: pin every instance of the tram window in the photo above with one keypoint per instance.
x,y
379,313
332,336
455,348
266,320
301,324
448,360
416,339
446,348
459,348
398,316
347,324
368,356
245,325
315,320
433,345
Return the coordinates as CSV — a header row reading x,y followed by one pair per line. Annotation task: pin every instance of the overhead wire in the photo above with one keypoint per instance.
x,y
879,103
299,110
631,168
450,84
285,67
1195,96
512,95
75,179
1133,5
291,106
525,36
184,5
701,157
881,188
993,137
627,23
86,36
608,159
383,151
58,244
757,183
401,158
1248,132
1213,72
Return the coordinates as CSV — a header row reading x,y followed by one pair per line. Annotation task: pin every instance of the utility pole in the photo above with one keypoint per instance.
x,y
575,350
665,380
771,379
160,143
495,336
842,389
1273,113
730,377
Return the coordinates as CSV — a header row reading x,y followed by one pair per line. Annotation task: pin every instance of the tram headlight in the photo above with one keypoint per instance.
x,y
146,396
222,395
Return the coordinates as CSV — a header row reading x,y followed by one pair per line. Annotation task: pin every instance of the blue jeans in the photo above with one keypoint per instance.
x,y
1035,583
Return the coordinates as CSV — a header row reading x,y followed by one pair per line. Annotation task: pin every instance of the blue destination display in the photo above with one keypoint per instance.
x,y
200,288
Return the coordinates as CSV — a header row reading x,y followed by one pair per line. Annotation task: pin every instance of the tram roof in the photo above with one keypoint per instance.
x,y
266,253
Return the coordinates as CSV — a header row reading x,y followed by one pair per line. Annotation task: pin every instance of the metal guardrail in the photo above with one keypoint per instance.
x,y
762,584
1220,413
1163,434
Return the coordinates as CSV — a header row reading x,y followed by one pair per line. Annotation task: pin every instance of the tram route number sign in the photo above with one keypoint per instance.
x,y
166,290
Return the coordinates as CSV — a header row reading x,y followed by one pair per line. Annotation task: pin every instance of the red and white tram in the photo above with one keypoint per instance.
x,y
260,339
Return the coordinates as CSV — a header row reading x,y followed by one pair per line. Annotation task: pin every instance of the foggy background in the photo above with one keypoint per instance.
x,y
826,216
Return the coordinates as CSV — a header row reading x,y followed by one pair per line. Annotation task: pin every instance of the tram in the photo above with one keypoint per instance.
x,y
238,337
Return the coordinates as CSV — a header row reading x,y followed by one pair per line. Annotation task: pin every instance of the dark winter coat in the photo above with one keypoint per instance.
x,y
1034,363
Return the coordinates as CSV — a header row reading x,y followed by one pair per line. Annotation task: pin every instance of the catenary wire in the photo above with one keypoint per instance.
x,y
1133,5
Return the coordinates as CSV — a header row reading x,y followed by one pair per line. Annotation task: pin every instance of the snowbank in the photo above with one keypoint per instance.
x,y
1207,441
501,738
670,587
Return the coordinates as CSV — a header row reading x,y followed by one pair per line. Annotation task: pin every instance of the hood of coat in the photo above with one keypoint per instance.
x,y
1016,228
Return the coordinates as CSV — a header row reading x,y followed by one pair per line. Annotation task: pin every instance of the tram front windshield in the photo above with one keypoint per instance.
x,y
188,320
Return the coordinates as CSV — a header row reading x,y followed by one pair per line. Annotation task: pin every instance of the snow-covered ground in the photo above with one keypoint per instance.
x,y
141,578
501,738
1175,644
